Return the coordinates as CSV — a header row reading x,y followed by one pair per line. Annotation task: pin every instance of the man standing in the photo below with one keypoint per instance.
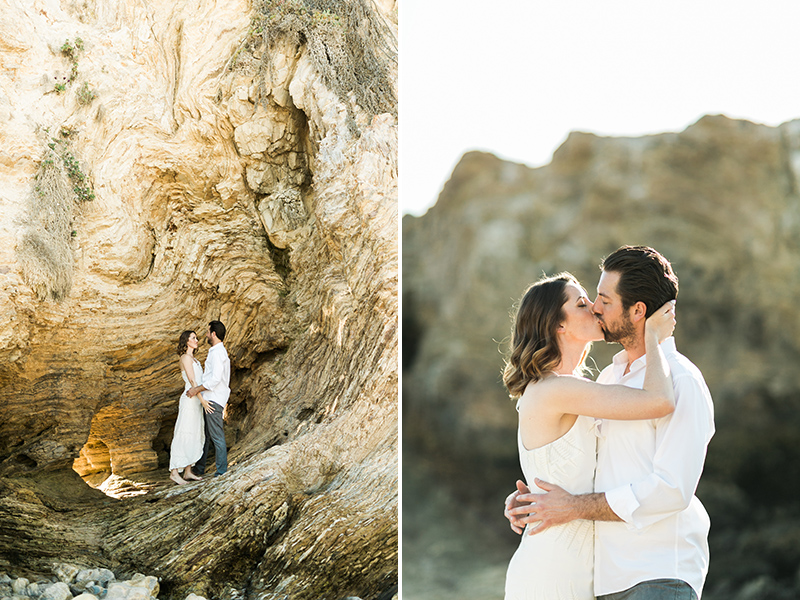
x,y
651,531
216,389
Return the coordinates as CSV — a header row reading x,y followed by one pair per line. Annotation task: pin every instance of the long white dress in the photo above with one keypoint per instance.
x,y
558,564
190,434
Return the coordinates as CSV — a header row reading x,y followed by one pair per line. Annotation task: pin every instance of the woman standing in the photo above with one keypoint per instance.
x,y
189,436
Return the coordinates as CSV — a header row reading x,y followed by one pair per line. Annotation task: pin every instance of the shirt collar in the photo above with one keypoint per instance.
x,y
215,347
620,360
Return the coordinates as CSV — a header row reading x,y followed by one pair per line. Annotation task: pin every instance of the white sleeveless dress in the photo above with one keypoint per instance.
x,y
190,433
558,564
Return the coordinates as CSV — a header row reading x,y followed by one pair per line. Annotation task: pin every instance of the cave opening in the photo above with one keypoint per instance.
x,y
26,461
281,259
132,467
163,440
94,463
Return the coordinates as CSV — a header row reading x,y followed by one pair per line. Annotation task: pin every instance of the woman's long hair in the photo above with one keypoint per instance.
x,y
183,342
534,345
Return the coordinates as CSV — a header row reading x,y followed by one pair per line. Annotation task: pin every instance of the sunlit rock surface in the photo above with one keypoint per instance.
x,y
229,181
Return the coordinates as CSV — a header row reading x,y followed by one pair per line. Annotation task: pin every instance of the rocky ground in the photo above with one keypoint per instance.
x,y
73,582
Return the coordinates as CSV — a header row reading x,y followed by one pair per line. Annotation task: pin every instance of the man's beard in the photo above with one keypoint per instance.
x,y
626,331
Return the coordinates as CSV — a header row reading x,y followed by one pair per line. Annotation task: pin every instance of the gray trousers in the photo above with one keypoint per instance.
x,y
215,434
656,589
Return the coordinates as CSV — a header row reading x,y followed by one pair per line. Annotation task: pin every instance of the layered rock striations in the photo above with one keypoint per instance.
x,y
170,164
722,201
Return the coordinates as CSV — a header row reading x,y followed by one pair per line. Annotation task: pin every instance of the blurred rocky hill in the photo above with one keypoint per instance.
x,y
722,201
170,163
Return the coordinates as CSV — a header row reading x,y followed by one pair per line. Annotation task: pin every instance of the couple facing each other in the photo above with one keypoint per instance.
x,y
205,391
613,465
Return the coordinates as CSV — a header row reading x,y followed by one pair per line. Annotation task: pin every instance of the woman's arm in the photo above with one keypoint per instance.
x,y
577,396
188,367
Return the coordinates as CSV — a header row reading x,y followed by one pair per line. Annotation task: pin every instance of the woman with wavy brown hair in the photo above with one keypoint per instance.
x,y
553,331
189,435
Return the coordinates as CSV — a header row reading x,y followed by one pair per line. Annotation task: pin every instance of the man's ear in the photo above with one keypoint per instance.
x,y
637,312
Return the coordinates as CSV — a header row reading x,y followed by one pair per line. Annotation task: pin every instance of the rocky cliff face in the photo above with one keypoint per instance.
x,y
167,164
721,200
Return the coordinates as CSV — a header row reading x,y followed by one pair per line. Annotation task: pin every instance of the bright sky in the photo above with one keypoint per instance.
x,y
514,77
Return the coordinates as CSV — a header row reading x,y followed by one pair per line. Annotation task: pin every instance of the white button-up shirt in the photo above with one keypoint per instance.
x,y
649,471
217,375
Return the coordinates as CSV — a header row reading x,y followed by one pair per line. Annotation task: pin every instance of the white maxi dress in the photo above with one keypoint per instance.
x,y
557,564
190,432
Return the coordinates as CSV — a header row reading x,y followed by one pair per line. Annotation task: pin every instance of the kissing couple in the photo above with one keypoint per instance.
x,y
609,508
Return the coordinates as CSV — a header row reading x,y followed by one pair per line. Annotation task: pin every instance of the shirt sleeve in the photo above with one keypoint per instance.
x,y
213,373
680,450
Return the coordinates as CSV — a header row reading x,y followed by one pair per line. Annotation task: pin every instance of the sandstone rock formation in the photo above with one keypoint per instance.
x,y
722,201
166,164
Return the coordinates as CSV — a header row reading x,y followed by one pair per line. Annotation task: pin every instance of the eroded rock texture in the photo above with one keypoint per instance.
x,y
166,164
721,200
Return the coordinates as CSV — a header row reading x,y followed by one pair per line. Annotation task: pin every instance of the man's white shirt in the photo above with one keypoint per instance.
x,y
217,375
649,472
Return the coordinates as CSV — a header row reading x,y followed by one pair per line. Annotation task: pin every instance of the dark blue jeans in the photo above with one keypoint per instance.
x,y
215,434
657,589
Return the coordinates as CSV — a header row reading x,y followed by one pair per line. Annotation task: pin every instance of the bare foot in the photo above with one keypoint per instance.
x,y
177,478
189,475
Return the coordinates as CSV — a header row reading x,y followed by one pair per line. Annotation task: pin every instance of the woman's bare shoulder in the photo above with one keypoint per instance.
x,y
551,389
553,383
539,394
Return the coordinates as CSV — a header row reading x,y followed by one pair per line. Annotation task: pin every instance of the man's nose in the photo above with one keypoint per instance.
x,y
596,307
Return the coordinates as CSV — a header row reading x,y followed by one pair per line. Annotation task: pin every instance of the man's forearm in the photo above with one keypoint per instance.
x,y
556,507
594,507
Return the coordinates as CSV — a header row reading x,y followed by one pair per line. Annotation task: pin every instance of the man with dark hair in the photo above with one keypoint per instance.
x,y
645,275
651,531
216,389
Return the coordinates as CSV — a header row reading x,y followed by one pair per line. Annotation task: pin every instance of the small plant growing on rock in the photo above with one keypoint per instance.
x,y
60,148
324,17
68,50
71,51
85,94
80,186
